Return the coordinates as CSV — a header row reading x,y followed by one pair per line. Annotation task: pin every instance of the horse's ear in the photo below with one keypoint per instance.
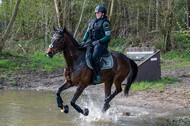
x,y
54,28
64,29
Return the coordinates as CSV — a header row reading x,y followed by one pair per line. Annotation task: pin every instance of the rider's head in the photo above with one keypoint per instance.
x,y
100,11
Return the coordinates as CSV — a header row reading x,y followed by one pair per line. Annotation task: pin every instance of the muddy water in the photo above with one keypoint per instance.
x,y
39,108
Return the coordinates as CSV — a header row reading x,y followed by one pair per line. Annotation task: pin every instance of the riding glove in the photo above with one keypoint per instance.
x,y
96,42
83,43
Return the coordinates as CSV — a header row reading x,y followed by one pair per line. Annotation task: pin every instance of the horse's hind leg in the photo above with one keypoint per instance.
x,y
66,85
75,97
110,97
107,91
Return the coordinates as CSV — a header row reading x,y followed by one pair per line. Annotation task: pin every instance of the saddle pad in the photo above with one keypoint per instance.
x,y
107,62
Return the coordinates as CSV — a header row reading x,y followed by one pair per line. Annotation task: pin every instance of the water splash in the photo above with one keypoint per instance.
x,y
95,114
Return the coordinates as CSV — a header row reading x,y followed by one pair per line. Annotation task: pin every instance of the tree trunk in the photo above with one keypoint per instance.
x,y
57,13
157,15
188,11
8,29
168,25
80,18
111,9
149,15
138,21
102,2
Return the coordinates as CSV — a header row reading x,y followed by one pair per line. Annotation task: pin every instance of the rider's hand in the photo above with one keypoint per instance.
x,y
95,42
83,43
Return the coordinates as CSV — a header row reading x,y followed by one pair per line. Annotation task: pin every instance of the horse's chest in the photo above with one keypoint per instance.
x,y
72,76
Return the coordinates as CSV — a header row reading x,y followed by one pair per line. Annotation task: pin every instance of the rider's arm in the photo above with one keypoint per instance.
x,y
86,35
107,29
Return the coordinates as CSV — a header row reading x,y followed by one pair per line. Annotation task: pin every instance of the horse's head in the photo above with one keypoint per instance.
x,y
57,42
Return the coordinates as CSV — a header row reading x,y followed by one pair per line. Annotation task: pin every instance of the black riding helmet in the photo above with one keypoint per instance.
x,y
100,8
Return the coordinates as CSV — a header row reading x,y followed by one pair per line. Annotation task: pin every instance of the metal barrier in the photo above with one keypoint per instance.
x,y
148,62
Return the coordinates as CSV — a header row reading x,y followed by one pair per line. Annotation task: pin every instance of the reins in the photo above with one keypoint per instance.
x,y
64,50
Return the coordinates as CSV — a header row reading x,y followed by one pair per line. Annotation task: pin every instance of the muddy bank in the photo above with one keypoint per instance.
x,y
173,102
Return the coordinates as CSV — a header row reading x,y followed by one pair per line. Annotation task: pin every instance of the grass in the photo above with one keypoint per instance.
x,y
45,63
176,65
158,84
180,58
12,81
40,61
183,55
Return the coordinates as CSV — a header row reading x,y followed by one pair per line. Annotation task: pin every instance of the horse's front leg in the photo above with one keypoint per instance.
x,y
78,92
65,86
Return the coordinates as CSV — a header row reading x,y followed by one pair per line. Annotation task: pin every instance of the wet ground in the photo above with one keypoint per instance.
x,y
31,108
171,106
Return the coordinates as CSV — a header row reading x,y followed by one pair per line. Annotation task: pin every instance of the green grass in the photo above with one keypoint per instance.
x,y
12,81
183,55
45,63
176,65
180,59
40,61
158,84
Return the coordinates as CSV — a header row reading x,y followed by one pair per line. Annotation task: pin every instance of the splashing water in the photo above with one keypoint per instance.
x,y
95,114
114,115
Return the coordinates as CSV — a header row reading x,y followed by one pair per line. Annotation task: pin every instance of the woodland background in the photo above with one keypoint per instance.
x,y
26,26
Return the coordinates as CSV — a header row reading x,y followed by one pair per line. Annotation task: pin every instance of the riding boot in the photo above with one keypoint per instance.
x,y
97,70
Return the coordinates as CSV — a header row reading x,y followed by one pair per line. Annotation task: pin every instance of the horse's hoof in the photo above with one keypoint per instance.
x,y
66,107
85,112
106,107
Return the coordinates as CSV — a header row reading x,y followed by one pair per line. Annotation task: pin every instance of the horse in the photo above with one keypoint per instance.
x,y
77,73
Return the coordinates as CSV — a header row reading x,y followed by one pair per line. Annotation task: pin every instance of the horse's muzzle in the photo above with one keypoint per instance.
x,y
50,54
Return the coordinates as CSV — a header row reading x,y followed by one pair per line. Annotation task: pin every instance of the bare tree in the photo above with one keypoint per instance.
x,y
8,29
111,9
80,18
168,25
188,10
149,14
103,2
157,14
138,21
57,13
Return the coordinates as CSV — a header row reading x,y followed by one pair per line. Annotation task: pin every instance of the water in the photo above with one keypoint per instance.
x,y
39,108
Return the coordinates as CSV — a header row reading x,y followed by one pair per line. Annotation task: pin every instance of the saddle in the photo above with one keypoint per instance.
x,y
106,61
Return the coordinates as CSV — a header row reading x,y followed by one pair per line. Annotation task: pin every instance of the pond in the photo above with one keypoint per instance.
x,y
39,108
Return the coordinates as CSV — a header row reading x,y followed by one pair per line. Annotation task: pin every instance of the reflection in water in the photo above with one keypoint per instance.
x,y
37,108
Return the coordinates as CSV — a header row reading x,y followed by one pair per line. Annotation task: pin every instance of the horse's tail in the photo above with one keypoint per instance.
x,y
132,75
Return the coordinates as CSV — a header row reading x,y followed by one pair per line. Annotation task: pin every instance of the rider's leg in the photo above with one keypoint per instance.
x,y
97,53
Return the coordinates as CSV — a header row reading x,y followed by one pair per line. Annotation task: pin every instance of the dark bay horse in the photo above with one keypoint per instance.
x,y
78,74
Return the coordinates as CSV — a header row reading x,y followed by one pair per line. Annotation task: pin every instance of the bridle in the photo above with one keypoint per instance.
x,y
60,45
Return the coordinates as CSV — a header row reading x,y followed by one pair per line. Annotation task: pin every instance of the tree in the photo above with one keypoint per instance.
x,y
157,14
80,18
58,13
168,23
149,15
8,29
188,11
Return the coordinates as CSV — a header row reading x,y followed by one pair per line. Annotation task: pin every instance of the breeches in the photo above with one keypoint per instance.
x,y
98,51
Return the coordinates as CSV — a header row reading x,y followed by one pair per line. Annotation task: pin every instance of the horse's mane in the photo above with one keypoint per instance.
x,y
72,38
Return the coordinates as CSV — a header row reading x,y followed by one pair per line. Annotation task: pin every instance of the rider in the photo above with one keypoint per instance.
x,y
99,34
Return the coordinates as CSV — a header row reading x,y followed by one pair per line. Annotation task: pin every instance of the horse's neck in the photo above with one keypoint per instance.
x,y
73,55
73,58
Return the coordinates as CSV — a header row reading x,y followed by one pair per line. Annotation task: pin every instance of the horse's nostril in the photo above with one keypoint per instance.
x,y
49,54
